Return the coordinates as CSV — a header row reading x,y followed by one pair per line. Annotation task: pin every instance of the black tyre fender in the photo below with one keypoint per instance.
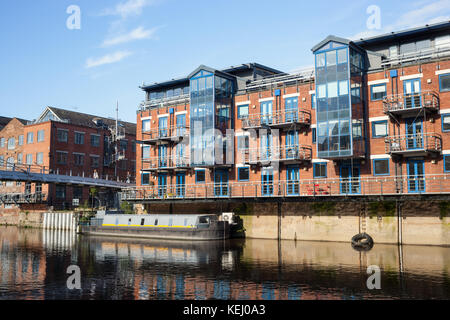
x,y
362,242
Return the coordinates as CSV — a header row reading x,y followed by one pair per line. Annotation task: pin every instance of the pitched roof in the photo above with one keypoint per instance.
x,y
87,120
5,120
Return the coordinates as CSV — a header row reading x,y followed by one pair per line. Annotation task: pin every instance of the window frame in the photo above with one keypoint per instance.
x,y
388,167
321,164
440,82
239,116
446,156
442,122
40,162
374,136
196,176
39,133
378,85
30,134
239,174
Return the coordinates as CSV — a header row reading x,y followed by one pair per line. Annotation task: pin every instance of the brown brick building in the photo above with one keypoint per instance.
x,y
372,117
67,143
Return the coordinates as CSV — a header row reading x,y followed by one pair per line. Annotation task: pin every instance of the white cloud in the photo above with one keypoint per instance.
x,y
128,8
137,34
423,13
107,59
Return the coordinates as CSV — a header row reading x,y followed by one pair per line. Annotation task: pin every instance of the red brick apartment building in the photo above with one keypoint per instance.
x,y
67,143
372,117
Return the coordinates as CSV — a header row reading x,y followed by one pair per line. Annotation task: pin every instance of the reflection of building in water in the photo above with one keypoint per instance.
x,y
22,262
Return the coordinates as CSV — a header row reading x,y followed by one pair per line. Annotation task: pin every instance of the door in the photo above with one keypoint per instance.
x,y
266,112
292,145
267,183
412,93
293,181
163,132
414,132
350,183
266,147
181,185
162,185
291,110
416,176
162,149
221,183
181,125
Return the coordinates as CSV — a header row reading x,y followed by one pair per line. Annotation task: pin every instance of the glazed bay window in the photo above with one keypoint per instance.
x,y
79,137
95,140
78,159
444,82
62,135
379,129
381,167
40,136
61,157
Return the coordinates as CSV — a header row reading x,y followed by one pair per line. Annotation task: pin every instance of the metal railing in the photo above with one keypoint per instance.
x,y
165,162
181,99
439,52
429,142
22,198
274,154
382,186
288,117
404,102
171,133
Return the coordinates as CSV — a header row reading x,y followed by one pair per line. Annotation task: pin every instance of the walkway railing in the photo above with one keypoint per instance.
x,y
400,185
21,198
439,52
286,117
171,133
405,102
427,142
167,162
274,154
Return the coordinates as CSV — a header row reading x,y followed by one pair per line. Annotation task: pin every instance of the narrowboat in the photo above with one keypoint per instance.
x,y
170,227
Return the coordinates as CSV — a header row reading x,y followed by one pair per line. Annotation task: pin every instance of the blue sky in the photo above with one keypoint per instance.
x,y
123,43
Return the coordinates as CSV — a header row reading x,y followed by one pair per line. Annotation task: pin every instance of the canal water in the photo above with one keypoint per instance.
x,y
33,265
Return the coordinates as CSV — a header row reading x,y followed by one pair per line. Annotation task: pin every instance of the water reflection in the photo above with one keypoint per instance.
x,y
34,262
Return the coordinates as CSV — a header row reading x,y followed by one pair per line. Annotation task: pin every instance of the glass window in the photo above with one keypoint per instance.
x,y
343,88
342,56
243,142
2,142
60,192
29,159
378,92
145,179
63,135
124,145
242,111
357,130
95,140
379,129
146,152
393,51
444,82
2,159
40,136
145,125
78,159
61,157
332,90
95,161
331,58
11,143
447,163
313,101
407,48
19,158
381,167
442,42
244,174
200,176
322,91
314,135
320,58
79,138
40,158
320,170
21,140
446,122
30,137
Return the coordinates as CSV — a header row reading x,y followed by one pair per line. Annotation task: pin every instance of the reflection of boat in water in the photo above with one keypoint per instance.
x,y
178,227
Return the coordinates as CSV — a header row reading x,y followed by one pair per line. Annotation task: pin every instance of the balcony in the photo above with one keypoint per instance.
x,y
434,53
166,163
407,105
165,102
279,120
21,198
164,135
284,154
414,145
